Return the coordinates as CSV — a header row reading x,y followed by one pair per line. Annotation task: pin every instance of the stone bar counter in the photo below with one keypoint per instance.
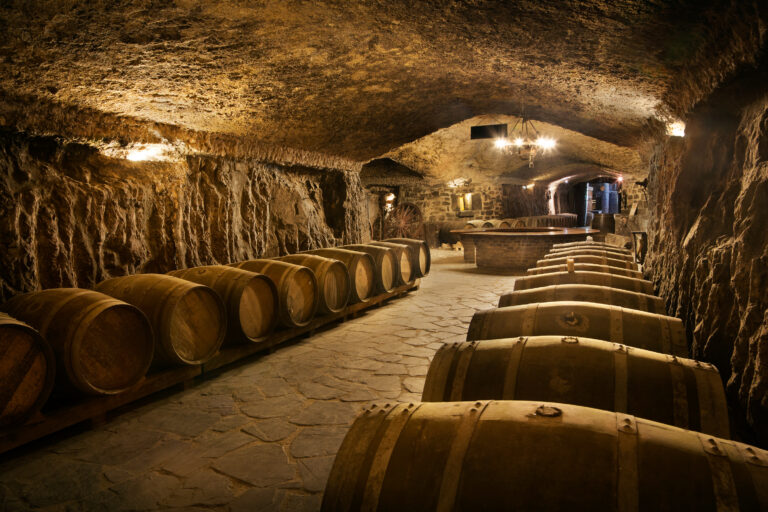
x,y
516,249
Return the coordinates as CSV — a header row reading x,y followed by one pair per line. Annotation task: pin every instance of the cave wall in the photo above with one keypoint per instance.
x,y
708,240
72,217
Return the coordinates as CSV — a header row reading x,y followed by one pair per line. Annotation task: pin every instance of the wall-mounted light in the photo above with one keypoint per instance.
x,y
390,197
676,129
620,179
147,152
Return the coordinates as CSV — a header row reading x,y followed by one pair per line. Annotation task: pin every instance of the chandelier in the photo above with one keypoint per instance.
x,y
526,141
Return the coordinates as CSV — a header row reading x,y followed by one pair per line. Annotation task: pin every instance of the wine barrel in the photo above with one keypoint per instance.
x,y
585,293
582,371
423,260
249,298
631,327
589,252
590,245
405,260
299,295
27,371
604,222
361,268
547,457
582,277
478,224
102,346
386,265
332,278
588,267
595,260
189,319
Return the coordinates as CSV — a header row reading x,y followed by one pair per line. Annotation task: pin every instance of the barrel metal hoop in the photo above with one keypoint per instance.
x,y
617,324
620,378
679,394
453,465
666,342
723,484
708,416
465,353
627,479
398,417
529,319
510,376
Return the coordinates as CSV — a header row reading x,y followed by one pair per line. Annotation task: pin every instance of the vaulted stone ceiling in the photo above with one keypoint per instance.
x,y
359,79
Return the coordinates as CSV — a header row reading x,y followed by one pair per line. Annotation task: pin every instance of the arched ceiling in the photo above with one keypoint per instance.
x,y
449,153
357,79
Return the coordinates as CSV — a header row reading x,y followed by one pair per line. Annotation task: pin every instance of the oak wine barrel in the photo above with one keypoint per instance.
x,y
188,319
332,278
588,267
297,289
595,260
585,293
249,298
405,260
423,259
582,371
386,265
361,268
631,327
583,277
27,371
589,252
102,346
604,222
590,245
478,224
537,456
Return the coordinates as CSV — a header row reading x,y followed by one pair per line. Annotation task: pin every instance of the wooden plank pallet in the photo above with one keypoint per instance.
x,y
96,408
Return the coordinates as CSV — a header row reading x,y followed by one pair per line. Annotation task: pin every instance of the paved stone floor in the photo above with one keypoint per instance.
x,y
261,435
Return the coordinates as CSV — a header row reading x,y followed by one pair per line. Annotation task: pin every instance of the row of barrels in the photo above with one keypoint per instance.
x,y
573,394
74,342
565,220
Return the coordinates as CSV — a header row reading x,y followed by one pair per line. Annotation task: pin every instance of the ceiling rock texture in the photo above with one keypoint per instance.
x,y
357,79
275,108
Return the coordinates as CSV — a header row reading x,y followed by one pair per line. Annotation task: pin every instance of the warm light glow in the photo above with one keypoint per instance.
x,y
676,129
390,197
148,153
501,143
620,179
468,200
165,151
545,143
519,142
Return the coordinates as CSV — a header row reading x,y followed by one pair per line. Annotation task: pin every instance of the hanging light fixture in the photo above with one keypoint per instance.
x,y
526,140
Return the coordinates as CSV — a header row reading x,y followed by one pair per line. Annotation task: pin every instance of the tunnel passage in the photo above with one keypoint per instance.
x,y
141,138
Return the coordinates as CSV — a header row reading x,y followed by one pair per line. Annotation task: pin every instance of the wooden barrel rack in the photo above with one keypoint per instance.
x,y
57,416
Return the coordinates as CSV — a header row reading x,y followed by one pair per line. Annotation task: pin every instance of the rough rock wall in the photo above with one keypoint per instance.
x,y
708,241
71,217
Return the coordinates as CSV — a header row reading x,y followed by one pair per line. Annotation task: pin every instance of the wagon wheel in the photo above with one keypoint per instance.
x,y
404,221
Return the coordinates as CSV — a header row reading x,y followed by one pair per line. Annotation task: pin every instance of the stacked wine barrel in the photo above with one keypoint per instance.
x,y
68,343
576,393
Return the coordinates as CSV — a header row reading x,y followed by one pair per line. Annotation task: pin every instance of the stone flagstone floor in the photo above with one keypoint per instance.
x,y
261,435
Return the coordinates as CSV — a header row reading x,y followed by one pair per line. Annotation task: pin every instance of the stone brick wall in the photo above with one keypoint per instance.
x,y
516,253
435,200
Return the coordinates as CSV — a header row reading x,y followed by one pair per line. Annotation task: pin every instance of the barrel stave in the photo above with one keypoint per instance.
x,y
586,267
